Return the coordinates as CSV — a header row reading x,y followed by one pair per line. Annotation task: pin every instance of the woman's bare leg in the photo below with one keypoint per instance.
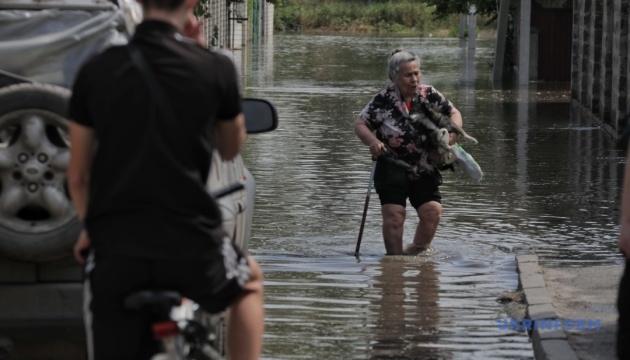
x,y
393,221
429,214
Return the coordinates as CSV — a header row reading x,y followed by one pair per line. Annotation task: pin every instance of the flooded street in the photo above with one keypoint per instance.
x,y
551,182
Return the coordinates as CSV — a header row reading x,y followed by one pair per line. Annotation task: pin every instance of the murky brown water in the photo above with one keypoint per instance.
x,y
551,181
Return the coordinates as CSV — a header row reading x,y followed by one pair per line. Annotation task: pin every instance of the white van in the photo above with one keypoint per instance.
x,y
42,44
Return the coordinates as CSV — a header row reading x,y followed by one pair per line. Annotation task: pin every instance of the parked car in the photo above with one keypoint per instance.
x,y
43,45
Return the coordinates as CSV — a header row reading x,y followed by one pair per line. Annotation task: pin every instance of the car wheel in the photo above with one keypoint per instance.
x,y
37,220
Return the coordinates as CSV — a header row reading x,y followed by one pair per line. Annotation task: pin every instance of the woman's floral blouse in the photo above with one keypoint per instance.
x,y
387,114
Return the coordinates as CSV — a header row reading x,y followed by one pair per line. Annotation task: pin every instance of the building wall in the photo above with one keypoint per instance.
x,y
599,60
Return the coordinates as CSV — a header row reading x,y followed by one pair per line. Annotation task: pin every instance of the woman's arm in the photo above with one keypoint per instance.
x,y
365,134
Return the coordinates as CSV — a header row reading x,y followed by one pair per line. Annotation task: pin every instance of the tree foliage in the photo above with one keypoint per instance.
x,y
444,8
488,8
203,9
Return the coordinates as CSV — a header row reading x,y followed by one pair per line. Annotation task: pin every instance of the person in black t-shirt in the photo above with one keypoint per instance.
x,y
137,178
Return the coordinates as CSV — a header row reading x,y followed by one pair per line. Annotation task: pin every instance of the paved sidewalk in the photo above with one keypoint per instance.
x,y
571,293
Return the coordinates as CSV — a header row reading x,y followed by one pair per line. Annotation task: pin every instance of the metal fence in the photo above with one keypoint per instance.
x,y
231,26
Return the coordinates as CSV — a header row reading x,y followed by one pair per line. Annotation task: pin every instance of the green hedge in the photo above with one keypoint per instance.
x,y
399,17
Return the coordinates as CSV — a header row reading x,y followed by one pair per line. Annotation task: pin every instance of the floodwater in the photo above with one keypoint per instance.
x,y
551,182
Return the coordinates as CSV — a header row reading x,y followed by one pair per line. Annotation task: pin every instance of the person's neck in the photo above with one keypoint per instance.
x,y
407,97
176,18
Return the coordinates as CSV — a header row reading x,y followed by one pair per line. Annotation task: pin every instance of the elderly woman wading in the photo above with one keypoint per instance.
x,y
388,115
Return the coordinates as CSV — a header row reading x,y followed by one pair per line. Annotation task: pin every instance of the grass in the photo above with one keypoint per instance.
x,y
401,17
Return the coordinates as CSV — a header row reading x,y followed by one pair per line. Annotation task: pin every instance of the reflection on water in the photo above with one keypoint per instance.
x,y
406,314
551,181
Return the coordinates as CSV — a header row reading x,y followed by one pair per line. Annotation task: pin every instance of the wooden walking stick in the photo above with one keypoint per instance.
x,y
365,208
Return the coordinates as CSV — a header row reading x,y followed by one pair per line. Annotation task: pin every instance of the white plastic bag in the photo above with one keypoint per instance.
x,y
467,163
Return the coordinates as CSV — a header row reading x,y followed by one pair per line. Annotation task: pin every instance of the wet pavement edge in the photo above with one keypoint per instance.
x,y
547,344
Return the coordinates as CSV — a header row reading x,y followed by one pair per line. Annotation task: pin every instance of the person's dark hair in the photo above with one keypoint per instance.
x,y
162,4
398,58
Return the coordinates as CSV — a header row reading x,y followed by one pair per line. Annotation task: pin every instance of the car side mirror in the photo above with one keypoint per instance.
x,y
260,116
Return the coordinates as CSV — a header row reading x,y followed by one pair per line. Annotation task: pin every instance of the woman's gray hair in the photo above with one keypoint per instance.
x,y
398,58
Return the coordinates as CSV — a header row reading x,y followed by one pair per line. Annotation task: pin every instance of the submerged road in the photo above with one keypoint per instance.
x,y
551,181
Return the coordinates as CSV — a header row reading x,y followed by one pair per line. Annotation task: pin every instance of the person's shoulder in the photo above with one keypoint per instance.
x,y
221,56
388,90
221,53
211,59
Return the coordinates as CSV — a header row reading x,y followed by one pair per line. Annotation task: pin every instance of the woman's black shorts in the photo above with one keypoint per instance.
x,y
394,186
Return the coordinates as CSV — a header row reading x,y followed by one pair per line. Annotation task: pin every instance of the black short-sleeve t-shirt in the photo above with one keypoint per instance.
x,y
147,181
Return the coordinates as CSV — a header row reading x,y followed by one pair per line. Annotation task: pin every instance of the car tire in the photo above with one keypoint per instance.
x,y
37,220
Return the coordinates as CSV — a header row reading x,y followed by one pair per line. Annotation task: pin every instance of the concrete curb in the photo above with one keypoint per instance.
x,y
547,344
